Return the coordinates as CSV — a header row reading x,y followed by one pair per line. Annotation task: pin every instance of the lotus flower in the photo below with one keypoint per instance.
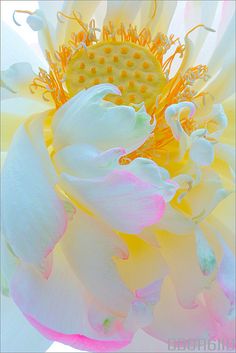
x,y
118,177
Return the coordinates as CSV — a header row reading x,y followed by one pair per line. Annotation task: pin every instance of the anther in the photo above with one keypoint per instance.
x,y
110,79
109,69
145,65
115,59
93,70
101,61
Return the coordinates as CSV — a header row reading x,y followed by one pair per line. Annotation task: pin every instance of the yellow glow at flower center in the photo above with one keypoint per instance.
x,y
132,68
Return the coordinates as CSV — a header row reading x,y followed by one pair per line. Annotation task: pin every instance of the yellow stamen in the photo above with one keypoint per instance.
x,y
20,11
133,61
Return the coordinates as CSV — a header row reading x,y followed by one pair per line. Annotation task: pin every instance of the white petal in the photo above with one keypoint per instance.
x,y
45,302
226,272
200,12
122,12
89,247
82,8
170,319
123,200
222,66
86,161
15,111
46,34
36,133
33,216
227,154
17,53
156,15
175,222
50,8
48,300
205,196
144,266
8,265
18,78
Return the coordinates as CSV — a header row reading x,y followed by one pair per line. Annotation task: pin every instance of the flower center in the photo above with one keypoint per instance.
x,y
131,67
139,63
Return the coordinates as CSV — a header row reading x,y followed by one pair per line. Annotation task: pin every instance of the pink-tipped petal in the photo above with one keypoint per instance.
x,y
78,341
123,200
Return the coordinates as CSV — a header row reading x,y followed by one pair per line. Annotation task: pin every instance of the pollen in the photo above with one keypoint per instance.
x,y
122,62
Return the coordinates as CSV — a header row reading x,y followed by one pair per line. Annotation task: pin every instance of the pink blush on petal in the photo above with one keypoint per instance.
x,y
78,341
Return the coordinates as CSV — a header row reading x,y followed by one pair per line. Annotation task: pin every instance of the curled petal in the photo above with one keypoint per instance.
x,y
150,172
206,195
87,119
202,152
172,116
